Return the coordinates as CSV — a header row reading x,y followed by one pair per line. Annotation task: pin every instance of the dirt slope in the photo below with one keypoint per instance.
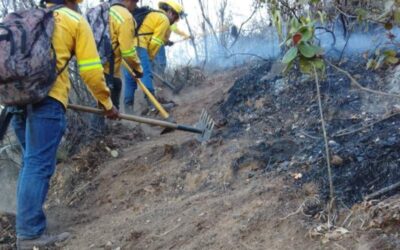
x,y
170,192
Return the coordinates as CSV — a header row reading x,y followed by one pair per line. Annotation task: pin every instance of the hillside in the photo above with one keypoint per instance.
x,y
241,189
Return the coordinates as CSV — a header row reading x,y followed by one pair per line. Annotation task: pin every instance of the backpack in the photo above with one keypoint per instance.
x,y
139,14
27,57
98,18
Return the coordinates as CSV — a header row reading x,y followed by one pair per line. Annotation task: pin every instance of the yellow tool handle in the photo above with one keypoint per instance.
x,y
149,95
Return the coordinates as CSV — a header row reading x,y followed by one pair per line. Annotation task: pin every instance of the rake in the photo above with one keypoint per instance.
x,y
203,127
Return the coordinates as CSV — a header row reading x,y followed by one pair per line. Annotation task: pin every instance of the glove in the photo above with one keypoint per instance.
x,y
138,72
169,43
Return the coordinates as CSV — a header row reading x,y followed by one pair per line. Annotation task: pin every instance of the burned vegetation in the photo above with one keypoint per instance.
x,y
279,113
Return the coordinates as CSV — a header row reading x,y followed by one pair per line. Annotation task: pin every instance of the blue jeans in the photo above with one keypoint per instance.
x,y
147,79
39,132
160,61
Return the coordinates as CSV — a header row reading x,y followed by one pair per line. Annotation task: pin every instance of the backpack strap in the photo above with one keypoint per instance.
x,y
5,119
144,15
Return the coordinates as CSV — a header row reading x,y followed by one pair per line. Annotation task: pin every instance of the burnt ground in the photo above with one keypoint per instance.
x,y
238,190
280,114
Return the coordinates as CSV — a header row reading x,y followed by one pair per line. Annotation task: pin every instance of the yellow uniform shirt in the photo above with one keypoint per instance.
x,y
72,35
158,24
122,28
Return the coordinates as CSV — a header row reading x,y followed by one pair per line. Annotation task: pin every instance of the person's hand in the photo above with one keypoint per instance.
x,y
169,43
138,72
112,114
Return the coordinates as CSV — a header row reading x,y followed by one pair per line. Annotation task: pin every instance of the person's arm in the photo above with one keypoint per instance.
x,y
126,40
176,30
89,64
159,34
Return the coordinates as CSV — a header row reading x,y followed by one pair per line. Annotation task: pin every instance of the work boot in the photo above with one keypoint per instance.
x,y
43,241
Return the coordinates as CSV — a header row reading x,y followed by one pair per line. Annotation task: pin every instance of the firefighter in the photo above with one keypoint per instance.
x,y
152,35
41,128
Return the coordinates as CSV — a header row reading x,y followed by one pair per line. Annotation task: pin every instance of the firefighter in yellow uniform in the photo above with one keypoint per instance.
x,y
122,27
40,129
151,37
160,61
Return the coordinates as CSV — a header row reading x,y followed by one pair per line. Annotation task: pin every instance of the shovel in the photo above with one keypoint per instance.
x,y
164,114
203,127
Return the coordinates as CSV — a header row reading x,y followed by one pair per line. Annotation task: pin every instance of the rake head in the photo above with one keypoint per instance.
x,y
206,125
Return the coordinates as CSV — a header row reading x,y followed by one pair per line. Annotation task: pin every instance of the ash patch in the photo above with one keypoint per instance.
x,y
363,129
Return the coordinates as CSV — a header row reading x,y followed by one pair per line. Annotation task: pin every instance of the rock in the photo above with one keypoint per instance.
x,y
336,160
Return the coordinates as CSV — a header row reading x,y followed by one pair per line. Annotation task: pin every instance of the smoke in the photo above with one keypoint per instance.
x,y
217,56
266,46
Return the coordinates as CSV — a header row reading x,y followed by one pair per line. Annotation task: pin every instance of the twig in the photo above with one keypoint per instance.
x,y
295,212
286,4
358,85
308,135
347,218
343,133
382,191
169,231
344,47
328,31
328,161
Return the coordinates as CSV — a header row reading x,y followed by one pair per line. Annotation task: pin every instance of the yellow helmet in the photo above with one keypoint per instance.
x,y
178,8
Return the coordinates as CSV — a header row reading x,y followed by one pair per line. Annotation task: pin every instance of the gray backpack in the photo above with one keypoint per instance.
x,y
98,18
27,58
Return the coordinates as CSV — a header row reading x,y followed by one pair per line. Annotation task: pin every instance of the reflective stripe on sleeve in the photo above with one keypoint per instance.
x,y
74,16
157,41
116,16
86,65
130,52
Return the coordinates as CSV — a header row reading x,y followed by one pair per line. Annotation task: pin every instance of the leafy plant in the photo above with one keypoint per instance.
x,y
385,58
300,40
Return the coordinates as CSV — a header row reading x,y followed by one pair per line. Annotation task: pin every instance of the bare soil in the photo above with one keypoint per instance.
x,y
171,192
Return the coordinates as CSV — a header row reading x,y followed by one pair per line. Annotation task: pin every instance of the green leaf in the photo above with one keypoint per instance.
x,y
361,14
290,55
305,66
293,25
277,21
390,53
318,63
308,50
306,32
396,16
371,64
321,16
392,60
